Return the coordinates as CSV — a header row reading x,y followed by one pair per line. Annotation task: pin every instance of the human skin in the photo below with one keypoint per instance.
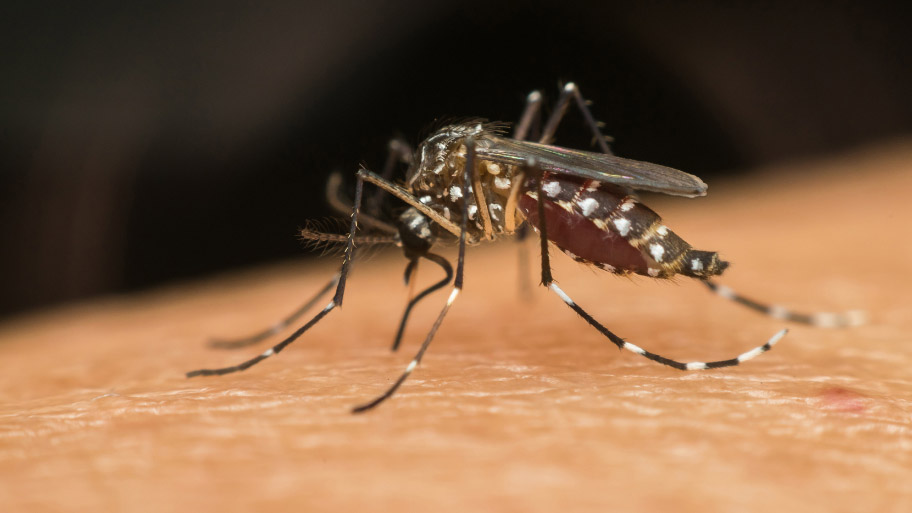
x,y
518,405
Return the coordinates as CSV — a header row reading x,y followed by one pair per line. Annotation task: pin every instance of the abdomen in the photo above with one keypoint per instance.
x,y
604,225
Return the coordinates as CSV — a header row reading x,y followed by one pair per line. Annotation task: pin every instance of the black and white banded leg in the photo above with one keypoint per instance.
x,y
454,293
336,301
684,366
818,319
548,281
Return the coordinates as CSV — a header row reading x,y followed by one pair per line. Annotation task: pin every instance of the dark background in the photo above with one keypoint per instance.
x,y
142,144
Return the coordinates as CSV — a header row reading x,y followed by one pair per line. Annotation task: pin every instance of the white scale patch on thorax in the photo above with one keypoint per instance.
x,y
455,193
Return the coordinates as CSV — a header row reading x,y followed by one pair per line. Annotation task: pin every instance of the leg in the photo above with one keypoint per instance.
x,y
399,152
819,319
334,194
403,194
315,239
521,232
522,265
622,344
337,202
548,281
396,149
570,90
279,326
457,288
447,268
531,116
336,301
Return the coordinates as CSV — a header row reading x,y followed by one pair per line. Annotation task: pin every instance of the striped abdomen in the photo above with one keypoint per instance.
x,y
604,225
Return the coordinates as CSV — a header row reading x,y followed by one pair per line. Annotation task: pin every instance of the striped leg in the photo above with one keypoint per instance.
x,y
457,288
688,366
548,281
819,319
336,301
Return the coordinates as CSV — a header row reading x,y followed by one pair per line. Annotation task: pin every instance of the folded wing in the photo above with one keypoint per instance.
x,y
633,174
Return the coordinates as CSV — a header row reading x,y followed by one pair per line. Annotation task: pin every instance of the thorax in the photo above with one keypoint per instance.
x,y
437,179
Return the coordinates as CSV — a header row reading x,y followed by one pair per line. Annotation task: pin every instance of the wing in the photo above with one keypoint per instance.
x,y
632,174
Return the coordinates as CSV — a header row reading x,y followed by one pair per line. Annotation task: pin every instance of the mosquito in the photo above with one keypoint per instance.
x,y
469,183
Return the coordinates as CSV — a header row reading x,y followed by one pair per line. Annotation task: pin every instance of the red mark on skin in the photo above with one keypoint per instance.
x,y
842,399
